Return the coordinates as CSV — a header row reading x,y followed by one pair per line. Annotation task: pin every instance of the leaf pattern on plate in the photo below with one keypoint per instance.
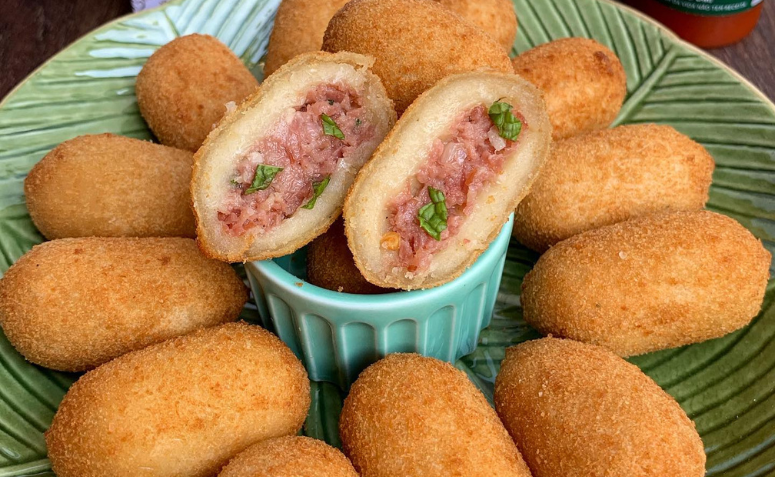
x,y
727,385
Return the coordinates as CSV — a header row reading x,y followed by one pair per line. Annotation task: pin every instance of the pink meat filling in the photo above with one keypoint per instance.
x,y
306,154
460,167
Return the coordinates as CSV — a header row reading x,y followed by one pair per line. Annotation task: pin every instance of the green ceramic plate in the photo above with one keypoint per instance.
x,y
727,385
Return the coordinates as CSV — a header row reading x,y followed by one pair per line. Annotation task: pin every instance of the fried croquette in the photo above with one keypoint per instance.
x,y
185,86
650,283
330,264
111,186
495,17
446,156
578,410
183,407
584,83
413,416
415,43
274,173
288,39
73,304
292,456
605,177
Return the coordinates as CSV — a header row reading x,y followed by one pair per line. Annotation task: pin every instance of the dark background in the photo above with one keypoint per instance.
x,y
32,31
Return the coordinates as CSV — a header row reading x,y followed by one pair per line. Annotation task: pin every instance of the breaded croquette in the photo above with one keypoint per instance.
x,y
73,304
330,264
650,283
584,83
397,32
183,407
185,87
494,17
609,176
292,456
288,40
578,410
111,186
414,416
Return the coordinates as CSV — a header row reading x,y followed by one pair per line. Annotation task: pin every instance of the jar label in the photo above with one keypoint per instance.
x,y
711,7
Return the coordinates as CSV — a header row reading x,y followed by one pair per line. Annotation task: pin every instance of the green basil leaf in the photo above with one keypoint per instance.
x,y
508,125
264,177
433,216
330,128
318,188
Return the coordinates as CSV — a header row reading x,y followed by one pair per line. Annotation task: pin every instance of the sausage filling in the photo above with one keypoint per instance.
x,y
460,166
294,162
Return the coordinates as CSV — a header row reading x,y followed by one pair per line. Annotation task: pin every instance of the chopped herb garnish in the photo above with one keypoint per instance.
x,y
235,182
331,102
264,177
433,216
357,121
508,125
330,128
318,188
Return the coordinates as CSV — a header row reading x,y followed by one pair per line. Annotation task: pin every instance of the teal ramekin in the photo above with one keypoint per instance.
x,y
337,335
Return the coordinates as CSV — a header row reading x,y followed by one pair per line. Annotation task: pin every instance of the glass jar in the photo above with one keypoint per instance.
x,y
706,23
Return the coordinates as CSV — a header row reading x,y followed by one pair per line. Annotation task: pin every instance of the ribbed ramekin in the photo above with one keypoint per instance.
x,y
337,335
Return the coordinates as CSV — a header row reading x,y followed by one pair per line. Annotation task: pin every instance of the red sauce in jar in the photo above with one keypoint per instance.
x,y
722,22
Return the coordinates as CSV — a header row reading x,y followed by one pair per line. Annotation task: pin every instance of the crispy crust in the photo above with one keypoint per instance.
x,y
111,186
288,39
73,304
413,416
405,149
291,456
184,86
397,32
330,264
577,410
495,17
650,283
583,82
612,175
181,407
285,86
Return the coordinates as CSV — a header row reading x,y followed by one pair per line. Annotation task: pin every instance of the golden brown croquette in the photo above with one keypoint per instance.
x,y
73,304
415,43
183,407
184,88
584,83
330,264
578,410
292,456
608,176
298,28
414,416
495,17
650,283
111,186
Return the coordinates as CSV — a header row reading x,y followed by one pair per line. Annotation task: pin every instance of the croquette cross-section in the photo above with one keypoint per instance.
x,y
273,175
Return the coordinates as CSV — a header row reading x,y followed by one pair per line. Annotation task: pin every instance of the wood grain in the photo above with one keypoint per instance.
x,y
31,31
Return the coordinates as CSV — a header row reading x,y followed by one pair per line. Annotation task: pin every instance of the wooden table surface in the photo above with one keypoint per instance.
x,y
31,31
